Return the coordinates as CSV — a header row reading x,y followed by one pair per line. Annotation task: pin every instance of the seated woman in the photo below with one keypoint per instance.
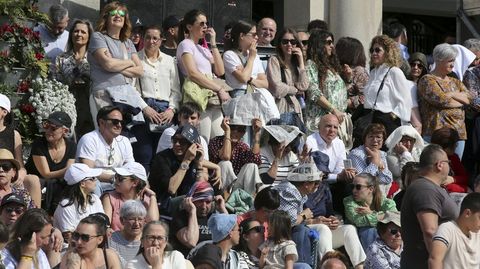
x,y
410,172
8,175
404,145
130,183
51,156
11,140
277,153
251,237
369,158
155,252
30,238
448,138
386,250
238,163
366,206
78,199
333,233
89,255
127,241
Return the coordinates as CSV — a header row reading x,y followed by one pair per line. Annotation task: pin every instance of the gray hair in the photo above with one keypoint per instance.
x,y
472,44
57,12
443,52
133,208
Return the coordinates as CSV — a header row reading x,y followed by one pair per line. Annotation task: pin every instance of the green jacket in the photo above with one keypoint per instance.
x,y
369,220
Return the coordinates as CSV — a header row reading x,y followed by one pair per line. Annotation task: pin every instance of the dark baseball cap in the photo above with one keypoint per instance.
x,y
60,118
13,198
169,22
188,132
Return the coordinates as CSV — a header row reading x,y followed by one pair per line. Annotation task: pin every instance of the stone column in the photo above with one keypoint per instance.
x,y
354,18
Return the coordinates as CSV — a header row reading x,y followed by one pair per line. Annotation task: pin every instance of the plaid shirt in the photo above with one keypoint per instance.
x,y
361,163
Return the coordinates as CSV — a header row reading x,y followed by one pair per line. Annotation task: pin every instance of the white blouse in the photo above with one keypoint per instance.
x,y
395,95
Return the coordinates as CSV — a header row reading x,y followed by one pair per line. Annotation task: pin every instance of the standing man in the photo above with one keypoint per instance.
x,y
425,206
105,148
267,28
53,36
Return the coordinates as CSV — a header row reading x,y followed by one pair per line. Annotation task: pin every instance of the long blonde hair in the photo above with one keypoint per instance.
x,y
392,52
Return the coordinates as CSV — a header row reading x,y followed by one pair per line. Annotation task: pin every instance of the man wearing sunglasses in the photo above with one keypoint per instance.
x,y
12,207
53,36
105,147
425,206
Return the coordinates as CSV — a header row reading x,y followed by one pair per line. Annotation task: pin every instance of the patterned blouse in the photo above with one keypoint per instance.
x,y
381,256
334,90
68,71
241,153
432,93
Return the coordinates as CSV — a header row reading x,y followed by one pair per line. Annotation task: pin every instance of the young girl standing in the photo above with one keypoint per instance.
x,y
279,251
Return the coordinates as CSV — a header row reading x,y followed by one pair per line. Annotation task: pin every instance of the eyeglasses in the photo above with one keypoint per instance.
x,y
258,229
6,166
118,12
329,42
111,152
359,186
376,50
293,42
394,231
419,65
49,126
304,42
181,141
203,24
17,210
84,237
115,121
252,34
120,178
154,39
133,220
152,238
90,178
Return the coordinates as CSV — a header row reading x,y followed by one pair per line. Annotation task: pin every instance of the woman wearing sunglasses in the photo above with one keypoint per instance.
x,y
51,156
198,64
390,100
112,56
365,207
385,252
286,73
327,92
87,247
130,184
155,251
78,198
251,237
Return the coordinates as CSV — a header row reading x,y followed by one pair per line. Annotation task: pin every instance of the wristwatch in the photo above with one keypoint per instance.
x,y
184,166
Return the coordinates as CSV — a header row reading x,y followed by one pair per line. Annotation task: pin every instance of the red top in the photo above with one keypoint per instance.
x,y
459,175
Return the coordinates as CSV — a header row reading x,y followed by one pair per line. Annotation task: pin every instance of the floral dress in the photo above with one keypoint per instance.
x,y
434,102
334,90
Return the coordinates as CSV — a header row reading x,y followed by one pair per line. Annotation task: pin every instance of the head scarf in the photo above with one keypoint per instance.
x,y
405,130
201,190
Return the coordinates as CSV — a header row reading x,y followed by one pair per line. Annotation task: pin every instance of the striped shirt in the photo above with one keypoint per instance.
x,y
286,164
127,250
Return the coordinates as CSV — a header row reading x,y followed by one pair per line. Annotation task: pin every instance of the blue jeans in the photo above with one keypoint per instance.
x,y
145,147
367,236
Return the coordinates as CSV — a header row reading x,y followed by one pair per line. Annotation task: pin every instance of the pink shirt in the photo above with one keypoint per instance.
x,y
202,56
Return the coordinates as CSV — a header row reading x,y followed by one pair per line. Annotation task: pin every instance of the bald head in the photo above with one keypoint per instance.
x,y
328,128
333,263
266,30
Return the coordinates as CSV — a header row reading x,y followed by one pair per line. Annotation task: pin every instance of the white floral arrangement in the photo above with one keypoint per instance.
x,y
47,96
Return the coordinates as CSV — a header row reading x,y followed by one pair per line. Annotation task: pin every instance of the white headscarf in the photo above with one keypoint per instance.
x,y
405,130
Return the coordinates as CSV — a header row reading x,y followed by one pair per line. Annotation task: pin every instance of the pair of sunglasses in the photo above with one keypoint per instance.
x,y
293,42
359,186
6,166
394,231
118,12
376,50
257,229
84,237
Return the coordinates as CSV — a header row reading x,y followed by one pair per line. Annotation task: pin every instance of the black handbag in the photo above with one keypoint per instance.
x,y
361,123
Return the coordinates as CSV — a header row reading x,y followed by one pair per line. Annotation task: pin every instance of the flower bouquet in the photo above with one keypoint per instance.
x,y
42,97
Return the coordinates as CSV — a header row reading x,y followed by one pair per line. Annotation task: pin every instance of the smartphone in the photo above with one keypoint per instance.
x,y
347,163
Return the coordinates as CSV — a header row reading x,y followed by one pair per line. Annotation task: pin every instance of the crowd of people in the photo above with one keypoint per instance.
x,y
322,161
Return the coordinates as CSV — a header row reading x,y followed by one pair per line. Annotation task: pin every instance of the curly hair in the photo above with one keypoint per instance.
x,y
392,52
281,56
317,52
105,15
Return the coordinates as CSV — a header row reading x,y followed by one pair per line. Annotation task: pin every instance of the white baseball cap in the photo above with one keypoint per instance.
x,y
132,169
80,171
5,102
